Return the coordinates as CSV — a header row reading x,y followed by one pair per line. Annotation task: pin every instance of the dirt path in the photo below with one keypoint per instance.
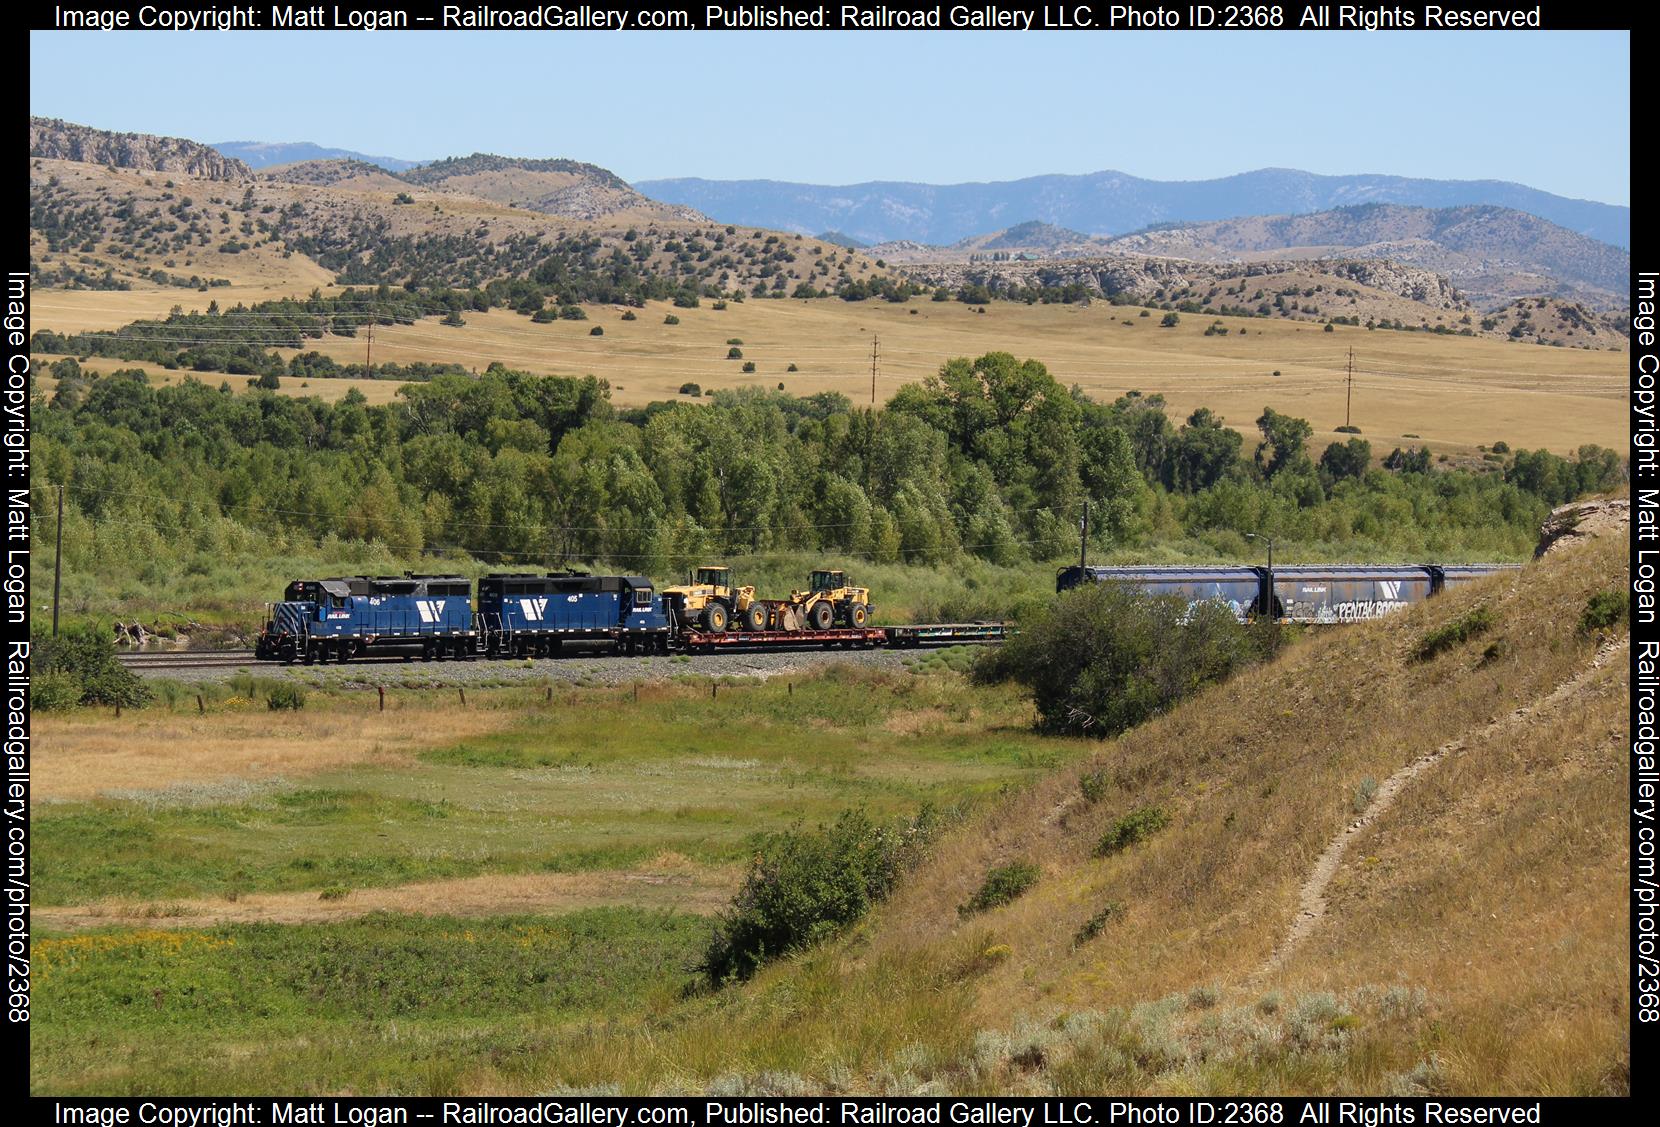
x,y
669,881
1311,897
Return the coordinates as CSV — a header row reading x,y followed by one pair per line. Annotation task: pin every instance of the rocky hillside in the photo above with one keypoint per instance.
x,y
1101,203
338,173
50,138
1357,292
1492,253
1554,321
567,188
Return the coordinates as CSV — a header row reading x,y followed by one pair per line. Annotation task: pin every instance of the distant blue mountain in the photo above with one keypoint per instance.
x,y
1099,203
263,154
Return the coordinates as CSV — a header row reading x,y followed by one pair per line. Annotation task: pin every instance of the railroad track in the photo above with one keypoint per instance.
x,y
187,659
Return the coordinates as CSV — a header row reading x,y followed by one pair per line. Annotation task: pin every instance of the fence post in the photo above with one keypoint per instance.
x,y
792,688
636,692
550,694
381,689
118,710
463,693
200,707
714,689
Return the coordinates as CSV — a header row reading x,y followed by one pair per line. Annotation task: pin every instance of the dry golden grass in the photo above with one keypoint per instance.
x,y
89,753
668,881
1494,884
377,392
1453,392
75,311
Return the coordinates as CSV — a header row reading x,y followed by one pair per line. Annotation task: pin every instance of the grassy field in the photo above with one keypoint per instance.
x,y
1453,392
202,935
218,885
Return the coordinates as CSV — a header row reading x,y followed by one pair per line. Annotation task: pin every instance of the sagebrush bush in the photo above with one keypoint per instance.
x,y
1137,825
1092,926
1002,885
1472,623
1094,784
1604,609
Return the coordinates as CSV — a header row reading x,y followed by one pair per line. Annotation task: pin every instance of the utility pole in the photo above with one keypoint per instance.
x,y
369,348
874,341
1350,403
57,566
1083,537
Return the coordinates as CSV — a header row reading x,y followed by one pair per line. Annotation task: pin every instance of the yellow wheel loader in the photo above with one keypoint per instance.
x,y
829,602
709,601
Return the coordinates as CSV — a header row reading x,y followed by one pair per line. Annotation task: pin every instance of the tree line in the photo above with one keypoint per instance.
x,y
991,457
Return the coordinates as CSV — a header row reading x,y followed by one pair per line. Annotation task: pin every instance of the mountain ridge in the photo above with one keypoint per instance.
x,y
1100,203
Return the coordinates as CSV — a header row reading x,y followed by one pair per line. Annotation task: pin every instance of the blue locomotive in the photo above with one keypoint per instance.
x,y
535,615
1296,593
433,617
322,620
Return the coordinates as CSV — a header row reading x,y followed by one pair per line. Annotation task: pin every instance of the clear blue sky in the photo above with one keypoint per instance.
x,y
1547,109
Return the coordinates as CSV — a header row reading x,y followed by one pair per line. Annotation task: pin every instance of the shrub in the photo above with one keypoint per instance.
x,y
285,696
749,365
1102,658
1604,609
1002,885
718,305
1094,785
690,389
734,353
1364,794
793,368
1137,825
1474,622
1170,320
802,886
628,315
1093,926
86,656
596,331
670,319
1347,430
734,340
54,692
453,319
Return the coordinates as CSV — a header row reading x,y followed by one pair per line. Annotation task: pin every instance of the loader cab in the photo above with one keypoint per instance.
x,y
712,577
826,581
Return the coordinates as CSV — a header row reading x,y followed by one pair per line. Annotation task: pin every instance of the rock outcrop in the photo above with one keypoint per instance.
x,y
1581,520
54,139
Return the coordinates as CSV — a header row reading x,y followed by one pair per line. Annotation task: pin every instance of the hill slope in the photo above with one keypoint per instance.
x,y
1376,875
1101,203
52,139
264,154
1492,253
567,188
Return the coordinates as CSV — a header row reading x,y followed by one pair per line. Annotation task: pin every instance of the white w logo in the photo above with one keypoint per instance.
x,y
1391,591
432,610
534,608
